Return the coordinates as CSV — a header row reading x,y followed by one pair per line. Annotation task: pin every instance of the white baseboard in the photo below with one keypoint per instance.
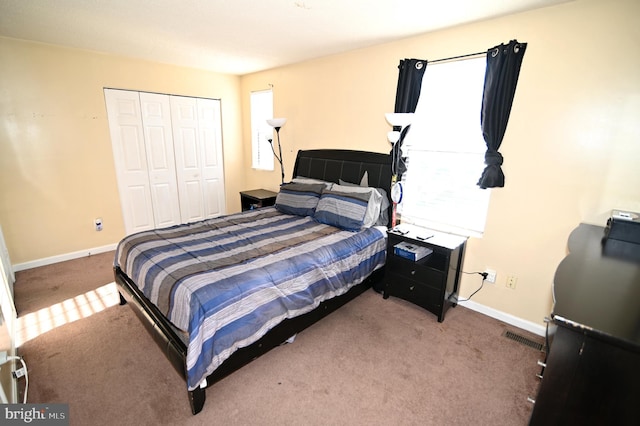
x,y
505,317
63,257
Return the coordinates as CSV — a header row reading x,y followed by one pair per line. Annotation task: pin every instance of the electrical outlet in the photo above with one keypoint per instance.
x,y
512,280
491,275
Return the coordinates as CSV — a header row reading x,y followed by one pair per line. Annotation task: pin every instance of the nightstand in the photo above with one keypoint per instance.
x,y
431,282
257,198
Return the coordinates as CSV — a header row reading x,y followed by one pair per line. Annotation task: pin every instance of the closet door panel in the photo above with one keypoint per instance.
x,y
188,158
210,126
156,119
127,137
192,201
137,199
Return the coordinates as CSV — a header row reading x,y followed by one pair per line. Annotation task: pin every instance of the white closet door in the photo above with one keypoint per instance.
x,y
209,121
127,140
168,157
156,119
187,150
198,147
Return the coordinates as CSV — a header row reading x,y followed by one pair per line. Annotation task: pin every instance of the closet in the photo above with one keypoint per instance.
x,y
168,157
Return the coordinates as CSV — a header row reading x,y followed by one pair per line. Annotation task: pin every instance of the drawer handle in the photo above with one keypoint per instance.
x,y
412,287
413,272
531,400
542,364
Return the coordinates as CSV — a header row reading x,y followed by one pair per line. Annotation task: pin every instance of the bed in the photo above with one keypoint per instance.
x,y
242,267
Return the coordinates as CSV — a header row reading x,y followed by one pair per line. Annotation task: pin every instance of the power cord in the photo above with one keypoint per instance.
x,y
19,372
484,277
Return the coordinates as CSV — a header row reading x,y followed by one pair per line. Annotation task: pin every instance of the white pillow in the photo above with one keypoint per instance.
x,y
375,201
383,219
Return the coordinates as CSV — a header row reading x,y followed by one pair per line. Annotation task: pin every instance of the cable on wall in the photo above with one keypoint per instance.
x,y
484,277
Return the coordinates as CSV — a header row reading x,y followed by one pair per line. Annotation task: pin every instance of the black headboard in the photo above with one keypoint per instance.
x,y
334,164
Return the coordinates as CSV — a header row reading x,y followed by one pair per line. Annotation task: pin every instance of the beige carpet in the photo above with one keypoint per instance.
x,y
373,362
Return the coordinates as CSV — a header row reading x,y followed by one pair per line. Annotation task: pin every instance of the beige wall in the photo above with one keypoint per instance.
x,y
571,148
56,163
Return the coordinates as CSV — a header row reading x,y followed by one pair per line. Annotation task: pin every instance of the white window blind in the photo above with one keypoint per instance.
x,y
445,151
261,132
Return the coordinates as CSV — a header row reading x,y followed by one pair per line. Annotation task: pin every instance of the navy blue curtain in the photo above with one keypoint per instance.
x,y
500,80
407,94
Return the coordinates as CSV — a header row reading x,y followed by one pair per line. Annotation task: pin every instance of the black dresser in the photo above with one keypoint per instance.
x,y
592,372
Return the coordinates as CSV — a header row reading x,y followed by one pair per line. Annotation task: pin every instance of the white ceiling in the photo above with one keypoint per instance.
x,y
238,36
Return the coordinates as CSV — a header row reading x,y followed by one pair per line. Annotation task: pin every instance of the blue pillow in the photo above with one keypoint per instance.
x,y
342,210
299,198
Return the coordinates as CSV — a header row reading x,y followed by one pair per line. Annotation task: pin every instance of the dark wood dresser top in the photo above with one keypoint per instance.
x,y
597,287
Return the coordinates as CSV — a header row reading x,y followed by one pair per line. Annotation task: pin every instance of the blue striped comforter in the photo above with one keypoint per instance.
x,y
229,280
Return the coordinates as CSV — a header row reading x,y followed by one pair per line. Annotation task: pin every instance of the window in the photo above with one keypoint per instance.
x,y
261,132
445,151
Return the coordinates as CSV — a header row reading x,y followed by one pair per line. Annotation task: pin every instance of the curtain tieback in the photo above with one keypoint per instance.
x,y
493,158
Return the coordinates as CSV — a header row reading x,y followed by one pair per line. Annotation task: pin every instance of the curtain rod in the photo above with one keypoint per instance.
x,y
457,57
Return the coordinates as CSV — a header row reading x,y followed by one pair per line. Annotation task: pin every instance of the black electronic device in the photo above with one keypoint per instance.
x,y
623,226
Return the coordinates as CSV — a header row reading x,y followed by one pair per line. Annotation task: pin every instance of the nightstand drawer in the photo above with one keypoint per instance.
x,y
415,271
416,292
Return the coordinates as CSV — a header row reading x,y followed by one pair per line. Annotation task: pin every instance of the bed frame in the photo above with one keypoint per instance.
x,y
328,165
